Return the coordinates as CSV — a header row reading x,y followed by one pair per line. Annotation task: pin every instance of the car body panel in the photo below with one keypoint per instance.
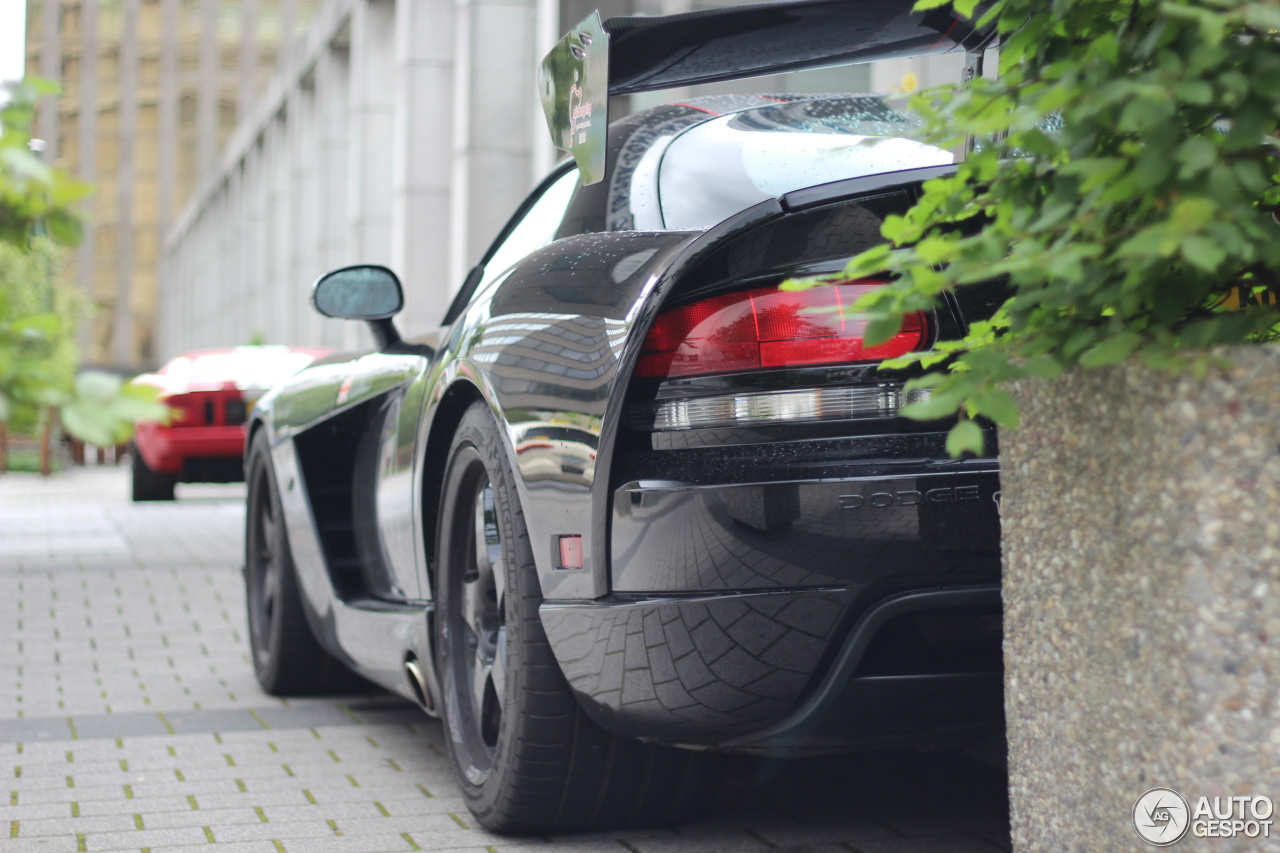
x,y
165,449
856,533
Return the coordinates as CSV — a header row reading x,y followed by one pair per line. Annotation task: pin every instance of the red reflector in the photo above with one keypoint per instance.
x,y
766,328
570,552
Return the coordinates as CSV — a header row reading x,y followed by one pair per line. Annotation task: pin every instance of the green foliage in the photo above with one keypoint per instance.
x,y
28,461
31,193
102,409
1123,182
38,314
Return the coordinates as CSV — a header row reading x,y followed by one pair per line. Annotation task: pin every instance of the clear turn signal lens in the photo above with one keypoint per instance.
x,y
775,407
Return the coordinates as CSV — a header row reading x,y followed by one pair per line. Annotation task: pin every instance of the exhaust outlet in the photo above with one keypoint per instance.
x,y
418,684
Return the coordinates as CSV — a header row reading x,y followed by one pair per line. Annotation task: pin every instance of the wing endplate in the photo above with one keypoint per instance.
x,y
573,82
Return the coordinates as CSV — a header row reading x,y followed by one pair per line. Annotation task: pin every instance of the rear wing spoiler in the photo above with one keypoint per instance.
x,y
622,56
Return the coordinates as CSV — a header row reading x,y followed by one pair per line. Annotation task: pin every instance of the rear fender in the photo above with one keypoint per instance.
x,y
541,347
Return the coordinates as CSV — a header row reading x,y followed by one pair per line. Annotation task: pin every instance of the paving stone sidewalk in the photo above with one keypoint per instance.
x,y
130,719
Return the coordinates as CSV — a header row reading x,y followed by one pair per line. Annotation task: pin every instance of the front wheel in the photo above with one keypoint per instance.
x,y
527,757
286,657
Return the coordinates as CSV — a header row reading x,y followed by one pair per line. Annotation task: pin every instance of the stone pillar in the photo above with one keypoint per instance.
x,y
547,31
167,115
279,226
304,198
248,87
423,139
1141,535
123,331
372,123
207,97
47,124
228,324
371,148
333,70
233,317
494,115
288,29
256,242
87,118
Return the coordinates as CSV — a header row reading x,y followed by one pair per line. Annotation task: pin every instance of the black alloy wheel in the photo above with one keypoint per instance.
x,y
475,626
286,657
527,757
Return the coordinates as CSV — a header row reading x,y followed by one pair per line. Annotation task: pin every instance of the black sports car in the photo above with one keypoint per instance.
x,y
633,506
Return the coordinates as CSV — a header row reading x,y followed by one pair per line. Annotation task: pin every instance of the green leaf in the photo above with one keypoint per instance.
x,y
97,386
1204,252
934,408
996,404
1111,350
935,249
881,328
965,437
65,227
44,325
1192,214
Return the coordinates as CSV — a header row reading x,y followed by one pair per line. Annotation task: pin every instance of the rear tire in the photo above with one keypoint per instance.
x,y
149,484
286,657
527,757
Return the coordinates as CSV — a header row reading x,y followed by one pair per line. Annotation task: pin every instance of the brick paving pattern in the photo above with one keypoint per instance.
x,y
130,720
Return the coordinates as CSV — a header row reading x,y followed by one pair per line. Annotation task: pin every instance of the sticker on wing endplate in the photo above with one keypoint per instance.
x,y
573,82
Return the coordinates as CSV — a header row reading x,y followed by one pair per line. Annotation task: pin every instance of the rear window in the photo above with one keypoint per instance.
x,y
723,166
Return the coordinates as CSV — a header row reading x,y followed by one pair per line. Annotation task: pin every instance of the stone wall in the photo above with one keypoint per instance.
x,y
1141,524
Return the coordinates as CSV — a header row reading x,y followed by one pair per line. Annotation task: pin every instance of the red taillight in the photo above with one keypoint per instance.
x,y
225,407
188,409
766,328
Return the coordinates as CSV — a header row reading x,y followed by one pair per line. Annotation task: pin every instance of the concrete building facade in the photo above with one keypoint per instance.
x,y
151,90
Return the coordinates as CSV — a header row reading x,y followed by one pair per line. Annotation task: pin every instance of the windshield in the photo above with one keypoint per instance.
x,y
723,166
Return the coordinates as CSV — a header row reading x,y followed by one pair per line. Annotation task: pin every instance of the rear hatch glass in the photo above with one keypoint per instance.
x,y
725,165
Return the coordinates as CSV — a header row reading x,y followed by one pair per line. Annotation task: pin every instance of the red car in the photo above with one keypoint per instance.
x,y
211,393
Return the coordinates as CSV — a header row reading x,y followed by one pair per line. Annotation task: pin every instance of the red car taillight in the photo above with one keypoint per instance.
x,y
188,410
770,328
225,407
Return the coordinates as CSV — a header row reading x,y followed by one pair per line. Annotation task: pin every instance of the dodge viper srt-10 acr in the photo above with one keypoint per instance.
x,y
210,393
633,507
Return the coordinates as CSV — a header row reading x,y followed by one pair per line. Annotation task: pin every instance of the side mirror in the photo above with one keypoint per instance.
x,y
362,292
